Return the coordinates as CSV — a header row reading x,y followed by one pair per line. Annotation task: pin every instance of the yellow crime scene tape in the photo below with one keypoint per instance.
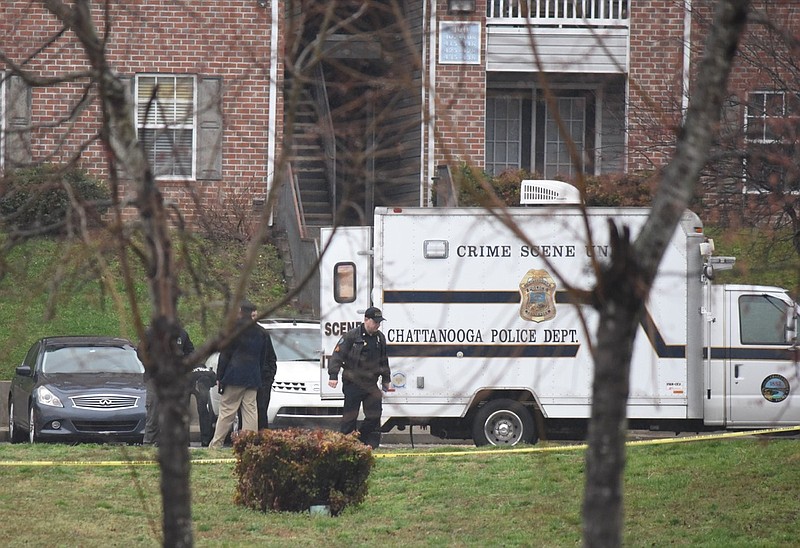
x,y
495,451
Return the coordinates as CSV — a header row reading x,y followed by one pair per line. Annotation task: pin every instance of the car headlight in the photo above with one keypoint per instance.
x,y
45,397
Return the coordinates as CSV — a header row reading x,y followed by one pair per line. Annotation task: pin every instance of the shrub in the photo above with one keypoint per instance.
x,y
476,188
620,190
294,469
233,215
38,198
611,190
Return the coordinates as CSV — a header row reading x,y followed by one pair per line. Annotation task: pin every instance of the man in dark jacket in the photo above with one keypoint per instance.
x,y
362,355
267,378
239,375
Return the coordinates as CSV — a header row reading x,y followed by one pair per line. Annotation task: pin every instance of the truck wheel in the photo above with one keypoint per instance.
x,y
504,423
14,433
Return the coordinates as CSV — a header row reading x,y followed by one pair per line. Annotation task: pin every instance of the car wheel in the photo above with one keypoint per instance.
x,y
33,436
503,423
14,433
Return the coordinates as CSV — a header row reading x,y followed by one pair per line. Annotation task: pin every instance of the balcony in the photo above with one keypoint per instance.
x,y
567,36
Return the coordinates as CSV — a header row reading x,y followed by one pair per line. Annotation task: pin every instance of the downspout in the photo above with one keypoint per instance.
x,y
424,104
3,120
273,103
626,122
687,54
431,107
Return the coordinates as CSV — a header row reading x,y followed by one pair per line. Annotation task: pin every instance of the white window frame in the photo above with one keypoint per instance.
x,y
173,121
562,91
557,160
491,167
764,116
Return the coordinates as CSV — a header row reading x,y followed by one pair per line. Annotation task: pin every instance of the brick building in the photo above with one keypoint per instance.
x,y
339,107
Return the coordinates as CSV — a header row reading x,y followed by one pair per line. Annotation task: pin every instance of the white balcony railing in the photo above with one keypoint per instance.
x,y
559,12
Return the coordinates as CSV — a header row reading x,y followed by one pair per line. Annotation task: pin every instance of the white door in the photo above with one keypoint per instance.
x,y
764,389
345,288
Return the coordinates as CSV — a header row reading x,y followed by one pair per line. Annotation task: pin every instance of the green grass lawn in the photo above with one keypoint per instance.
x,y
739,492
729,492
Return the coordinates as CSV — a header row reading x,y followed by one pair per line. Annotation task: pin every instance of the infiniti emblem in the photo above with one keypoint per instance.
x,y
105,401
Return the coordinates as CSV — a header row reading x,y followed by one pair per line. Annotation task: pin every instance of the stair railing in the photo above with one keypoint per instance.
x,y
303,246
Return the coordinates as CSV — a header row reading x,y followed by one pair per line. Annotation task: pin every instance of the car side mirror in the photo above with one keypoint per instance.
x,y
24,371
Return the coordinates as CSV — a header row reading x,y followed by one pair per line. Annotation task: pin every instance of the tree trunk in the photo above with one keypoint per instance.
x,y
623,287
173,457
167,368
620,310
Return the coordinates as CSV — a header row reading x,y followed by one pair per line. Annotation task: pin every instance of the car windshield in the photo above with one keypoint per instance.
x,y
296,344
91,359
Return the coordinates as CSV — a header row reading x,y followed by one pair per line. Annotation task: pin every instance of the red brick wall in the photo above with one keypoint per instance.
x,y
655,80
461,100
763,63
228,39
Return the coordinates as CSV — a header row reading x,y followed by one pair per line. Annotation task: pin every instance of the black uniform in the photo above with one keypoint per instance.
x,y
364,360
202,380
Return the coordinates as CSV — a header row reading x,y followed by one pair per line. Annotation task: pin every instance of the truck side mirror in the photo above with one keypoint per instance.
x,y
790,327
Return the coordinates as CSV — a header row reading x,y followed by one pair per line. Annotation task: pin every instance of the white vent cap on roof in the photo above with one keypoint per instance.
x,y
542,192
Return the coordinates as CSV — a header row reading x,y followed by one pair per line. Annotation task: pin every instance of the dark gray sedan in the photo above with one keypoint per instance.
x,y
78,389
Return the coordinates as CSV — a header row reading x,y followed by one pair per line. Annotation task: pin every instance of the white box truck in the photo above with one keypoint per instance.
x,y
485,340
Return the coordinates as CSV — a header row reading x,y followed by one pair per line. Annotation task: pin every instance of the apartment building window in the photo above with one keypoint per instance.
x,y
505,121
15,118
556,151
772,131
522,132
165,118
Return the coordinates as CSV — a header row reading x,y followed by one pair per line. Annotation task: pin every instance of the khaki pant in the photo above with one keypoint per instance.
x,y
232,398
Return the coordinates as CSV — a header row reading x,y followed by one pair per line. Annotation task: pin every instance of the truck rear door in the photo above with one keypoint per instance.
x,y
345,287
763,386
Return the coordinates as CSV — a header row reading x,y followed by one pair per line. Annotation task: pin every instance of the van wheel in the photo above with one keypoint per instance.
x,y
503,423
14,433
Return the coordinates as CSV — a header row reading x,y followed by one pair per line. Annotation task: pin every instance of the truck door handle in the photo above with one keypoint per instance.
x,y
736,371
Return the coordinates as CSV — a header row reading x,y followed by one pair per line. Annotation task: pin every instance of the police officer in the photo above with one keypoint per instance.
x,y
361,352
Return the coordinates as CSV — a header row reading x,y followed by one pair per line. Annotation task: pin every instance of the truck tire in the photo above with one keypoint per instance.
x,y
503,423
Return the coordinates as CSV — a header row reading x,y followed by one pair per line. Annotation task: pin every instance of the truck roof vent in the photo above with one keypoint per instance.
x,y
543,192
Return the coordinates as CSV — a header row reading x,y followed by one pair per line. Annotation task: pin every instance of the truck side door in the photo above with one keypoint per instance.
x,y
345,287
763,386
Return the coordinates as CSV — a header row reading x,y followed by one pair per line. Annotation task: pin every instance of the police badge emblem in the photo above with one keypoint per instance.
x,y
538,296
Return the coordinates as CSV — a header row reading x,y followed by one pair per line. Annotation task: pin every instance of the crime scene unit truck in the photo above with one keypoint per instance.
x,y
486,341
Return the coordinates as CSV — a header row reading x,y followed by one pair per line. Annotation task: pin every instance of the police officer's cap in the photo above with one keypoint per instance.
x,y
374,313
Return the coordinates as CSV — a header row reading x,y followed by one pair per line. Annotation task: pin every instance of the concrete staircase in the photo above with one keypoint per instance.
x,y
309,164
